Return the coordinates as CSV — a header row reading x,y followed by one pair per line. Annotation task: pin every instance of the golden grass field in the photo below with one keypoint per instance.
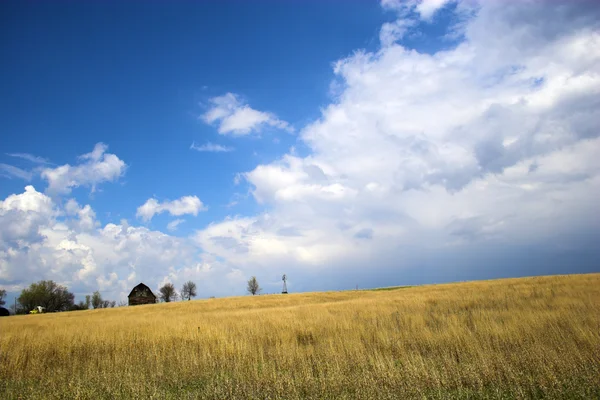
x,y
501,339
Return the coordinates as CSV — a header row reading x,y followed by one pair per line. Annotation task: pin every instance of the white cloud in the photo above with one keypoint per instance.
x,y
30,157
210,147
30,200
428,154
42,239
435,163
20,214
172,226
95,168
391,32
86,217
427,8
237,118
10,171
184,205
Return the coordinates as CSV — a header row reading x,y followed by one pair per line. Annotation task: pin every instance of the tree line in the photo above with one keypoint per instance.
x,y
168,293
53,297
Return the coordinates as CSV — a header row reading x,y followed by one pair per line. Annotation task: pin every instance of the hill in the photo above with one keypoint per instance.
x,y
512,338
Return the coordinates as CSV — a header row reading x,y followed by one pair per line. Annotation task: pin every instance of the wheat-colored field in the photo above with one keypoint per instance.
x,y
504,339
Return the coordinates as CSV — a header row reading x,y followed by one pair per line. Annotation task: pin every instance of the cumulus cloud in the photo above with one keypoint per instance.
x,y
409,14
85,216
472,162
210,147
42,238
425,9
93,168
424,155
234,117
184,205
391,32
20,216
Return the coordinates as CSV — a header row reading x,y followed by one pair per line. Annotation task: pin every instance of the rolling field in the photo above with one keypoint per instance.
x,y
502,339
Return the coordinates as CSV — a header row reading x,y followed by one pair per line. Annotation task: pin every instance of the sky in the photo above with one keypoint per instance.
x,y
342,143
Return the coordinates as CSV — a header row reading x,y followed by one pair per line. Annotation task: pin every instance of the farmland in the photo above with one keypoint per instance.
x,y
502,339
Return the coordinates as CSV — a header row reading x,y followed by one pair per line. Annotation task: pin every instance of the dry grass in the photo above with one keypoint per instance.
x,y
515,338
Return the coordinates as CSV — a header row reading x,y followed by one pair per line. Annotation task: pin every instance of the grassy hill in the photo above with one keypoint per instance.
x,y
502,339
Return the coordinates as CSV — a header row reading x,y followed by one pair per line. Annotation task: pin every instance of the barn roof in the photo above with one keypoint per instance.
x,y
141,286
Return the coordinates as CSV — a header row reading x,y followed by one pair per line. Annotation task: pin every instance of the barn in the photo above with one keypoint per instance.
x,y
141,294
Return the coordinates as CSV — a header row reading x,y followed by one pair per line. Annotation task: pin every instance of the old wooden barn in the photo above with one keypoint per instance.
x,y
141,294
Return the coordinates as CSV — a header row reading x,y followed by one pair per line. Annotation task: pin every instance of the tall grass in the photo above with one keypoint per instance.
x,y
515,338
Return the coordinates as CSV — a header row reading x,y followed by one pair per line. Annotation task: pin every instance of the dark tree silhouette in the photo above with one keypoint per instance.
x,y
168,293
188,291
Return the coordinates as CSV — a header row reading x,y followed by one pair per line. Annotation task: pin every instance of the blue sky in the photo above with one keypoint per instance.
x,y
136,78
338,142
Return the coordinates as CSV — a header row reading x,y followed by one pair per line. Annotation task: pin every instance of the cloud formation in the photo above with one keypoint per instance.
x,y
184,205
20,217
232,116
93,168
210,147
30,157
45,239
172,226
488,143
460,164
10,171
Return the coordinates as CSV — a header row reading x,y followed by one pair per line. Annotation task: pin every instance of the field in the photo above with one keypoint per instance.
x,y
502,339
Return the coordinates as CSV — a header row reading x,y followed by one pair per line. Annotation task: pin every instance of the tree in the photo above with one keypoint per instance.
x,y
2,296
88,301
113,304
253,287
168,293
188,291
79,306
97,300
48,294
